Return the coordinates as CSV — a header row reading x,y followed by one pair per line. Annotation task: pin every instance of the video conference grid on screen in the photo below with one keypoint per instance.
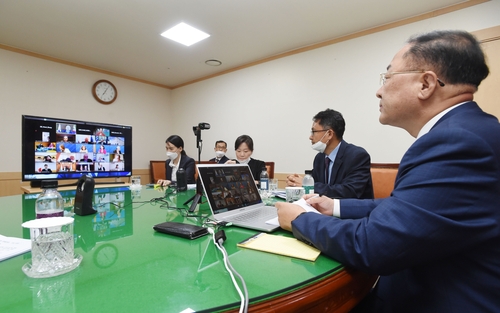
x,y
230,187
71,147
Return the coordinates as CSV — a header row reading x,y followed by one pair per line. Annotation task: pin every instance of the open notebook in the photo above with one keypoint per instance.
x,y
233,196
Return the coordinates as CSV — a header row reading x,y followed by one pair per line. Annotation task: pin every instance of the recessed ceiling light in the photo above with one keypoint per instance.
x,y
185,34
213,62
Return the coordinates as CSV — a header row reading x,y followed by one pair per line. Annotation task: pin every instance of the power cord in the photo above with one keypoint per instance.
x,y
219,239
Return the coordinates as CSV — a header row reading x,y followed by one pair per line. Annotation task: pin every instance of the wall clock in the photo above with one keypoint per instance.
x,y
104,91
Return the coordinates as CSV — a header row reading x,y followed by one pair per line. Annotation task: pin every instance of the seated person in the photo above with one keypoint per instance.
x,y
177,158
102,149
46,169
63,149
340,169
435,240
220,152
83,148
65,166
117,150
85,158
117,158
243,147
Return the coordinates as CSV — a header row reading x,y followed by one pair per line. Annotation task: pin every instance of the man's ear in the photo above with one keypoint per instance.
x,y
332,134
429,83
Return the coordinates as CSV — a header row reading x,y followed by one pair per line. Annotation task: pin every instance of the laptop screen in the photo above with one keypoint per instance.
x,y
228,187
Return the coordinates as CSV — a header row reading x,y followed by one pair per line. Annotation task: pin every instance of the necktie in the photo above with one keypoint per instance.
x,y
327,170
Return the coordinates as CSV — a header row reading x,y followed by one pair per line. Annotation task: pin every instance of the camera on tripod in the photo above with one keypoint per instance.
x,y
200,126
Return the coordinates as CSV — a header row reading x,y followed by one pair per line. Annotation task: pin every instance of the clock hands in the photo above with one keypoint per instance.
x,y
105,91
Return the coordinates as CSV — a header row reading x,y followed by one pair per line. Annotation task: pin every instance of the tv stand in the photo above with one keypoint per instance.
x,y
35,183
110,183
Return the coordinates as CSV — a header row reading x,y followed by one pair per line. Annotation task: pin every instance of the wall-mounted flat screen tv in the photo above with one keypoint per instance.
x,y
55,148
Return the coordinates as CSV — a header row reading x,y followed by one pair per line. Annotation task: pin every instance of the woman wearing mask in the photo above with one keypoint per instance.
x,y
176,159
243,147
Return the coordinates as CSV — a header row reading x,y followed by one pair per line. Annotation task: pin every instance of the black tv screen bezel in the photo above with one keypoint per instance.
x,y
32,124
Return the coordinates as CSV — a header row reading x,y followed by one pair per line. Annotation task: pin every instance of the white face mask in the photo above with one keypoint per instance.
x,y
244,161
219,154
319,145
172,155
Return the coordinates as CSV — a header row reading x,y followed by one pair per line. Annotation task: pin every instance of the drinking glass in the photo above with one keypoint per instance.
x,y
52,247
135,182
273,184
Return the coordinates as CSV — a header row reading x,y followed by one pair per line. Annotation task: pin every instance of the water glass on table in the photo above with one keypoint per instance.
x,y
135,183
273,185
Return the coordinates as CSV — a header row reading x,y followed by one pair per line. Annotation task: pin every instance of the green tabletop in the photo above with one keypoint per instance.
x,y
128,267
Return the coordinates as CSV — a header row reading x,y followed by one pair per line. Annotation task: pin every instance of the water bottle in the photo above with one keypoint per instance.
x,y
181,180
50,202
308,183
264,179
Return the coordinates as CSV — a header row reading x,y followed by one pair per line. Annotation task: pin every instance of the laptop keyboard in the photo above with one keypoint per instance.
x,y
258,214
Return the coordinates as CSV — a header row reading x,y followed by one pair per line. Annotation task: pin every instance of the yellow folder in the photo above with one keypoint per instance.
x,y
281,245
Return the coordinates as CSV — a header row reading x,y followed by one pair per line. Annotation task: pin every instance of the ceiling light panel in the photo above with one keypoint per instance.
x,y
185,34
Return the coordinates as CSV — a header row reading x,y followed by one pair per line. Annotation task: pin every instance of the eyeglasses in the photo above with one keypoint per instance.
x,y
387,75
319,131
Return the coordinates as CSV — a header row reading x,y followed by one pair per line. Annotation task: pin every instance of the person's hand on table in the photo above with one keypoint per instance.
x,y
287,212
163,182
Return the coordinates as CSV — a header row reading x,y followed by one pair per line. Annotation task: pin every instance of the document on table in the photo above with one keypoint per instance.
x,y
11,247
302,203
280,194
280,245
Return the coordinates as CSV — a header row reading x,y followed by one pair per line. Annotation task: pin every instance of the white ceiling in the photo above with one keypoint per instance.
x,y
123,36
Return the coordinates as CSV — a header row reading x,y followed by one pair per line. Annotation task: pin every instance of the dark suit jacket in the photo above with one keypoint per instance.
x,y
187,164
256,167
436,239
223,160
350,176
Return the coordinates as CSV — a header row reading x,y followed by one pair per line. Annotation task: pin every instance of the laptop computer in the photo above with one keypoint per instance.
x,y
233,196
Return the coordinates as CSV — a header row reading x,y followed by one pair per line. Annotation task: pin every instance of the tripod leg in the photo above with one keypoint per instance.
x,y
196,200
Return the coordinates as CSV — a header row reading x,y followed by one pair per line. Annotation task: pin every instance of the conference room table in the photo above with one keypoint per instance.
x,y
129,267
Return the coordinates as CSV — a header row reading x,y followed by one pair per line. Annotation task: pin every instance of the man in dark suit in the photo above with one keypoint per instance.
x,y
436,240
340,169
220,152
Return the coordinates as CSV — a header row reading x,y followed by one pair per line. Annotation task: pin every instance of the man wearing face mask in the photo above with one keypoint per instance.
x,y
220,152
340,169
176,159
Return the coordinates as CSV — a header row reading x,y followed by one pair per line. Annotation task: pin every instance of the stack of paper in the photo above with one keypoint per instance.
x,y
10,247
